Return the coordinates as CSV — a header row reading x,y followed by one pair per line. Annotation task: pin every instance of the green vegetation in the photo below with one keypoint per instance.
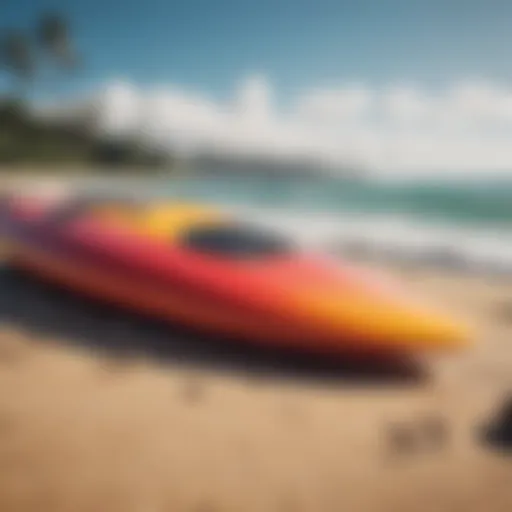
x,y
29,141
25,141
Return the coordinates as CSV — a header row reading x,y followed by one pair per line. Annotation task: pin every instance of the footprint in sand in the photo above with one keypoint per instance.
x,y
193,391
13,348
411,438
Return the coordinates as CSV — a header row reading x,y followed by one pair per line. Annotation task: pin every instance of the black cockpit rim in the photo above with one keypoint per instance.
x,y
236,240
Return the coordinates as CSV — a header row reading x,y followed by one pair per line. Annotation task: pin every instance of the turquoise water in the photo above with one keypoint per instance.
x,y
477,202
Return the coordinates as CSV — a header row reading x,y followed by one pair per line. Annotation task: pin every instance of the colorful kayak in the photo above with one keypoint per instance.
x,y
201,267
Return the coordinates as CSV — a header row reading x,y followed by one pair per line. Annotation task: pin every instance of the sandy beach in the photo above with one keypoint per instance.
x,y
101,411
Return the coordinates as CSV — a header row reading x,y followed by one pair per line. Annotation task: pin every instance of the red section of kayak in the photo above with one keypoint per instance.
x,y
291,299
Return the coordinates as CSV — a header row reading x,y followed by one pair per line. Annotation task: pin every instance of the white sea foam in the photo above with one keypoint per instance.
x,y
393,237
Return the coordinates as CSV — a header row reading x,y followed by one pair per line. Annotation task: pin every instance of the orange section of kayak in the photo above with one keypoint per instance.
x,y
386,323
321,324
293,301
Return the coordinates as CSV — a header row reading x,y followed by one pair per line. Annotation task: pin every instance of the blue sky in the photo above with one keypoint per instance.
x,y
395,84
209,44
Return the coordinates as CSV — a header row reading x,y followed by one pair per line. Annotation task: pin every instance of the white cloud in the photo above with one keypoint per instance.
x,y
254,100
480,102
118,108
408,105
401,128
343,104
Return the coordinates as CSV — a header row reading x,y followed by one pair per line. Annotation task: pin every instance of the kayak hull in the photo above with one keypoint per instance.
x,y
299,303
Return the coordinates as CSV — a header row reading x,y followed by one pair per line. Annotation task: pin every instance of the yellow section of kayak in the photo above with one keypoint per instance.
x,y
162,220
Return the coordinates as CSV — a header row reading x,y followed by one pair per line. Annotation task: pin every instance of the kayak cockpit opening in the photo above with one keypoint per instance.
x,y
198,229
236,240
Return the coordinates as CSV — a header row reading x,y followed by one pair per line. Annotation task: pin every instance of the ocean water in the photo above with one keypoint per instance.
x,y
461,222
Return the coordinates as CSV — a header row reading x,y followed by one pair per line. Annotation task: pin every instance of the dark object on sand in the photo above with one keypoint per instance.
x,y
503,311
401,439
193,391
436,431
498,434
13,351
406,439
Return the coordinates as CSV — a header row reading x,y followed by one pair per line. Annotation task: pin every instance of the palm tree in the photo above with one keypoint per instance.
x,y
22,56
53,36
17,55
17,51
